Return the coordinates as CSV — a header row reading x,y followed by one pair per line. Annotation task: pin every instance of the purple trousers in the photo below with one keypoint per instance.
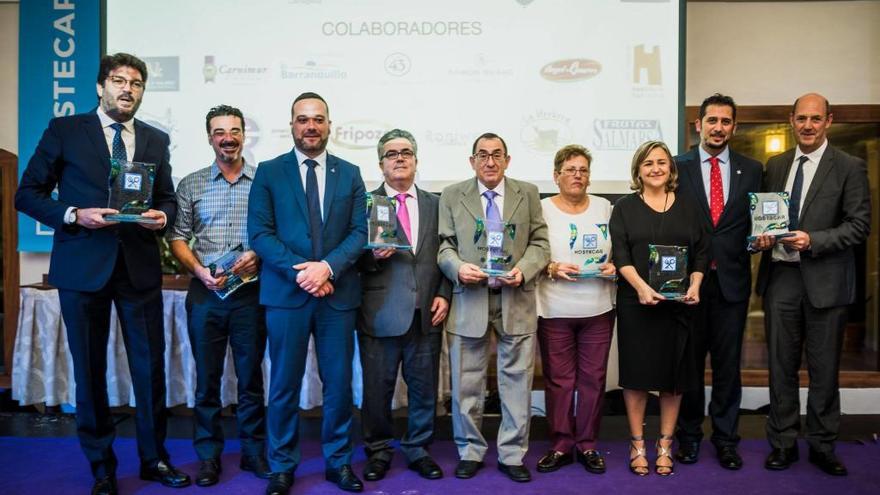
x,y
574,358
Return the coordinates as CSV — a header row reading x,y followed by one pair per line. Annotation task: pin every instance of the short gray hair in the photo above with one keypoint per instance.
x,y
394,134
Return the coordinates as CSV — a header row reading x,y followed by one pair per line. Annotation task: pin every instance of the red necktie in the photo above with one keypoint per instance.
x,y
716,191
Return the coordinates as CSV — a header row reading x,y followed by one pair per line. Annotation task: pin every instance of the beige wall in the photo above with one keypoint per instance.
x,y
768,53
761,53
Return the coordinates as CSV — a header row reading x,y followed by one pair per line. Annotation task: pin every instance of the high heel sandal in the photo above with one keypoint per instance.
x,y
636,452
666,452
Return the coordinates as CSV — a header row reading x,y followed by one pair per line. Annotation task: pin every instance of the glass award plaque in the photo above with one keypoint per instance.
x,y
667,270
769,214
382,228
494,240
131,191
589,250
223,266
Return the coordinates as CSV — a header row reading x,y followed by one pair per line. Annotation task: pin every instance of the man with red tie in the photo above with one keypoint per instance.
x,y
719,180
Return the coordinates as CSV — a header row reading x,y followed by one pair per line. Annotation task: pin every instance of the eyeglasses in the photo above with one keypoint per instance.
x,y
120,82
219,133
483,157
571,172
394,154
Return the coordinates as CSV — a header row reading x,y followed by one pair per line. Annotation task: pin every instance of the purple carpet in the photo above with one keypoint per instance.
x,y
57,466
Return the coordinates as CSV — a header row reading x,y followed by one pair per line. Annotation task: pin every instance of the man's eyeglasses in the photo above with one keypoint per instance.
x,y
483,157
120,82
394,154
571,172
221,133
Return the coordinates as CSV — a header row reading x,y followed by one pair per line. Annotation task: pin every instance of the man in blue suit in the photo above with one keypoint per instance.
x,y
96,262
307,222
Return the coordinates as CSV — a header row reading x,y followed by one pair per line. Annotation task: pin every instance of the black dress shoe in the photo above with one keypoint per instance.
x,y
279,483
592,461
553,460
209,472
256,464
781,459
519,473
375,469
427,468
344,478
105,486
467,469
165,473
688,452
729,458
828,462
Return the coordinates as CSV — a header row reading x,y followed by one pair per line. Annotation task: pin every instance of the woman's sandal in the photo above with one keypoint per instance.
x,y
662,469
636,452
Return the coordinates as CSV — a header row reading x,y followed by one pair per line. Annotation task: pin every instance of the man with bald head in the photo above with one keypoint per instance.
x,y
808,280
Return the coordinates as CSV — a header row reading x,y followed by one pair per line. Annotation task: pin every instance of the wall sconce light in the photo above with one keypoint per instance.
x,y
774,143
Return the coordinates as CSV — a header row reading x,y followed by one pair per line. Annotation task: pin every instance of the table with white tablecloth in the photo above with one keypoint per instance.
x,y
42,367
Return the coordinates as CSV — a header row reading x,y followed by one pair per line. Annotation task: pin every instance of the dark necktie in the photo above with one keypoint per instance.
x,y
119,152
314,202
716,191
794,202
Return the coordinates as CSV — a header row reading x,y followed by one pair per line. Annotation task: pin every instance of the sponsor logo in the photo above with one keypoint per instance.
x,y
209,70
545,131
402,28
241,73
481,67
312,70
571,70
164,73
524,3
449,138
647,76
397,64
358,134
624,134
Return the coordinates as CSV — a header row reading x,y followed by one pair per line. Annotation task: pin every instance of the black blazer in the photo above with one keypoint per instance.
x,y
394,287
73,155
836,213
727,244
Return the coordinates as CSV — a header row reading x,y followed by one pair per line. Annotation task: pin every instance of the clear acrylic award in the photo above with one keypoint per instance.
x,y
494,240
769,214
667,270
131,191
382,227
223,266
589,250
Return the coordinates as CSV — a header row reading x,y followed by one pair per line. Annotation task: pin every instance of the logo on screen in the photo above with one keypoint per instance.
x,y
646,66
359,134
624,134
545,131
397,64
571,70
312,71
164,73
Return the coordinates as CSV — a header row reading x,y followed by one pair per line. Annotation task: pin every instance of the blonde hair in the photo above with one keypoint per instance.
x,y
641,154
570,151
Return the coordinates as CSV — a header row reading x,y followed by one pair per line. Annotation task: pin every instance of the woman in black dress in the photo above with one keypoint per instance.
x,y
653,334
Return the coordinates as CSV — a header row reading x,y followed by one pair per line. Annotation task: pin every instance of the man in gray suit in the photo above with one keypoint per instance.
x,y
808,280
405,300
504,304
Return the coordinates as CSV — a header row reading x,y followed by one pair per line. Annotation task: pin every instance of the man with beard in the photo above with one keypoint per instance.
x,y
96,263
212,214
808,280
718,180
306,222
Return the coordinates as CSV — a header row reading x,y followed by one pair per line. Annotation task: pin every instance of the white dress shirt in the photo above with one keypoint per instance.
x,y
110,133
810,166
412,206
320,171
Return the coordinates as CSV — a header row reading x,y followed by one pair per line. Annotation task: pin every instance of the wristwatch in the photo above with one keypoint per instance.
x,y
70,216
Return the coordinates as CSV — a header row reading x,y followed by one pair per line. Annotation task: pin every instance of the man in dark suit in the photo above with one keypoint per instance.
x,y
96,262
306,222
808,280
405,300
719,180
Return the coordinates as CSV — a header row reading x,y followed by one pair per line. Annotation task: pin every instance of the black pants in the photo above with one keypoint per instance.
x,y
87,318
238,322
793,324
718,331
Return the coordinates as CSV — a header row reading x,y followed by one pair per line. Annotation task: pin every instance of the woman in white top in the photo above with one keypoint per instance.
x,y
576,313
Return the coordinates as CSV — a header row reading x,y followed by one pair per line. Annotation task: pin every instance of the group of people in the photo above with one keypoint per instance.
x,y
299,221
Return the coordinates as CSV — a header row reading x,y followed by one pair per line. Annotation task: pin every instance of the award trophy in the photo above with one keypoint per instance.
x,y
769,214
495,239
131,191
667,270
223,266
382,223
589,250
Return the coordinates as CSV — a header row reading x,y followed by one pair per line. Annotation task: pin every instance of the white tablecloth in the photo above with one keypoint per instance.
x,y
42,367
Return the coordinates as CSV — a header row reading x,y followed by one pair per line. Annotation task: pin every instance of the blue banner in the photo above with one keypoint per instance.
x,y
58,56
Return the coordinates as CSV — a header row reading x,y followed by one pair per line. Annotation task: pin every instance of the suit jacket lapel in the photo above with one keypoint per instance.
x,y
92,125
735,171
512,198
427,217
141,141
331,178
822,170
779,181
471,200
695,172
291,168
